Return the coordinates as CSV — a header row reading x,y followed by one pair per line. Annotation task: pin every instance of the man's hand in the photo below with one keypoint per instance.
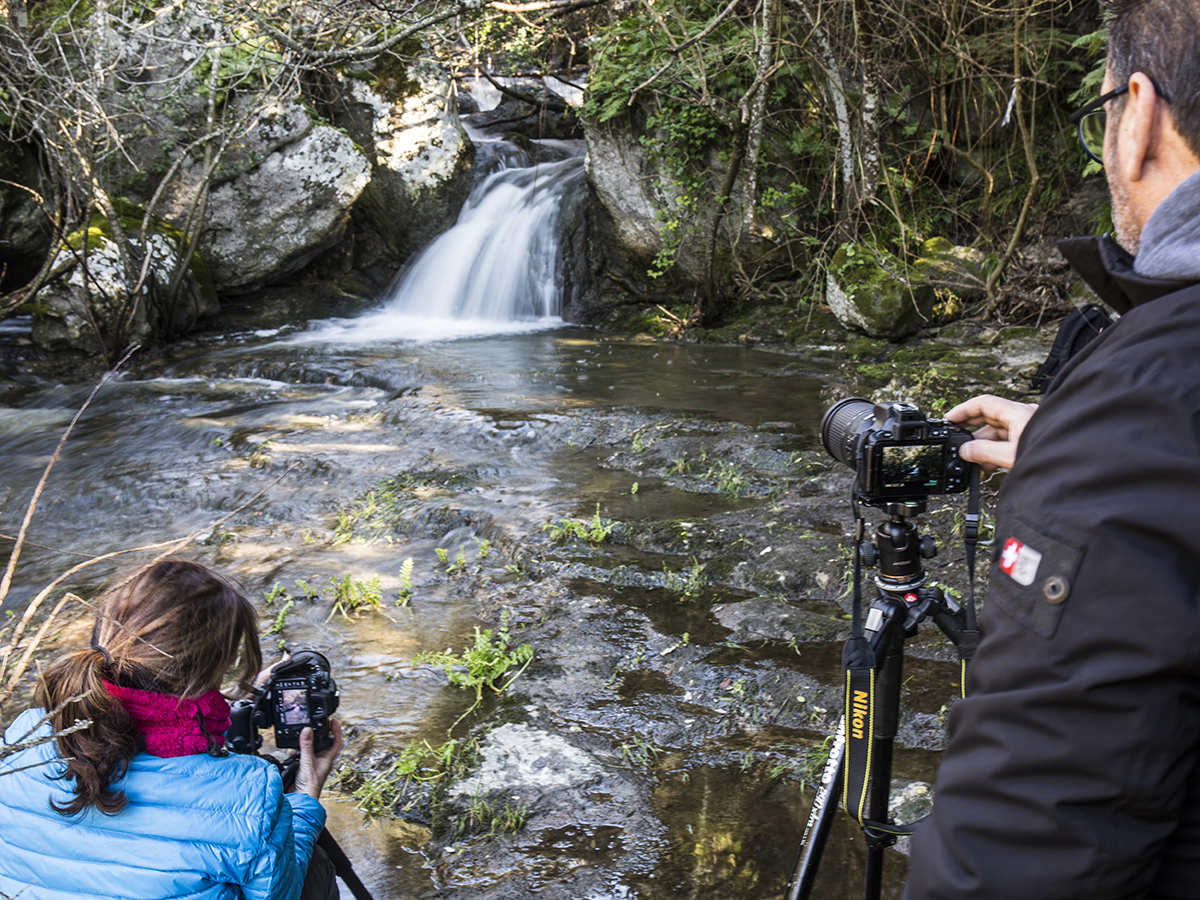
x,y
995,444
315,767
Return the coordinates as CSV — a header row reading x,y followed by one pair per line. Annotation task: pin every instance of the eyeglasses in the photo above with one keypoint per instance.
x,y
1092,120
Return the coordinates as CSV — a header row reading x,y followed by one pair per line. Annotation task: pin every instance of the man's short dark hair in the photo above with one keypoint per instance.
x,y
1158,38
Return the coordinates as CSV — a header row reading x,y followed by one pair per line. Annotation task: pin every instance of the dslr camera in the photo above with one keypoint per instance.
x,y
301,694
896,451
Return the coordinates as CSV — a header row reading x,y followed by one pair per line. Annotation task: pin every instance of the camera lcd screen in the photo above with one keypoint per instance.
x,y
911,466
293,706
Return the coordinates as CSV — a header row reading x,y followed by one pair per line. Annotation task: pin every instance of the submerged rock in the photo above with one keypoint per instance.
x,y
526,762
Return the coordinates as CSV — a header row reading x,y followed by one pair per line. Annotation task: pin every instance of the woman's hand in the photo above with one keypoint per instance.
x,y
994,445
315,767
261,679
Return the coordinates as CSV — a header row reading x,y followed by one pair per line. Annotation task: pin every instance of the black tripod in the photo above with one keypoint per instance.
x,y
874,660
342,866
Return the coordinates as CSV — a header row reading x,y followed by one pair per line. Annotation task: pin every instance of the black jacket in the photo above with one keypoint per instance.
x,y
1073,767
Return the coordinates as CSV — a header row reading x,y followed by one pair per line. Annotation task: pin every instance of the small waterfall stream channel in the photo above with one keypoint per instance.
x,y
656,520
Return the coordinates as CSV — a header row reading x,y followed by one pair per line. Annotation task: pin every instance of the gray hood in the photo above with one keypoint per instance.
x,y
1170,246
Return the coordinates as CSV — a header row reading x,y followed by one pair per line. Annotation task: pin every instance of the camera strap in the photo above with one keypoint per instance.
x,y
858,659
969,642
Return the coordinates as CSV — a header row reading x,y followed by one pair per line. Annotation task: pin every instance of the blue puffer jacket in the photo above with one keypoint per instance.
x,y
194,827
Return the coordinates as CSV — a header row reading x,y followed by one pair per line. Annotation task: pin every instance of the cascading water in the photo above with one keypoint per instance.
x,y
495,271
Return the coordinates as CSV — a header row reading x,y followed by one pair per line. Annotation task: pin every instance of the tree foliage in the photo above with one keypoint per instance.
x,y
841,121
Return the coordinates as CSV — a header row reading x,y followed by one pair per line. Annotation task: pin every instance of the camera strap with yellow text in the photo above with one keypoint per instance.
x,y
858,659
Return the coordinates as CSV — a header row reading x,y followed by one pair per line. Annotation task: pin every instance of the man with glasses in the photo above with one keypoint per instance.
x,y
1073,765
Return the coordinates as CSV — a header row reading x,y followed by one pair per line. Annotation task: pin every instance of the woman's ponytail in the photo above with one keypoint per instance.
x,y
72,689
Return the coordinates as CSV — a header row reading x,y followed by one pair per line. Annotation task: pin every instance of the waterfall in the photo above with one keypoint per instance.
x,y
495,271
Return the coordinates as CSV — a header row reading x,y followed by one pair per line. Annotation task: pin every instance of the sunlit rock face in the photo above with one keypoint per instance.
x,y
631,192
270,221
105,318
421,157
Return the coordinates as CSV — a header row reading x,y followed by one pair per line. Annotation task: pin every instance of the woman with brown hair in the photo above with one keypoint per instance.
x,y
145,802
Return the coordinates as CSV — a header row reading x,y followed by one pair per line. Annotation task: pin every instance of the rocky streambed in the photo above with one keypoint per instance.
x,y
687,631
656,521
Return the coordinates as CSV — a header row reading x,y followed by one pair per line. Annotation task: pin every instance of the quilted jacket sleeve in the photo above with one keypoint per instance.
x,y
291,824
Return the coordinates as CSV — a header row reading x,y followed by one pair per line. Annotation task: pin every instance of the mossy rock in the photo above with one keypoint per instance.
x,y
959,270
99,312
871,291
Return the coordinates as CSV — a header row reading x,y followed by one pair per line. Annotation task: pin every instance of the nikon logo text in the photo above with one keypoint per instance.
x,y
858,714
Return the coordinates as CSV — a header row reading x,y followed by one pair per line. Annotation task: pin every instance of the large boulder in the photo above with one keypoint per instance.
x,y
871,291
420,156
653,236
271,220
632,194
89,309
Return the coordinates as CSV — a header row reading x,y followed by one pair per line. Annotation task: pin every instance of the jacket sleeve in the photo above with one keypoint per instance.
x,y
1072,765
290,826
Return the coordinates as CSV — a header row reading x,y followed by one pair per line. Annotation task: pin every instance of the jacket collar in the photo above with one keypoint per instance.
x,y
1108,270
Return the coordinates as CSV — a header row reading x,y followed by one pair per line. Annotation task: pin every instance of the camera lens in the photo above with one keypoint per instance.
x,y
841,427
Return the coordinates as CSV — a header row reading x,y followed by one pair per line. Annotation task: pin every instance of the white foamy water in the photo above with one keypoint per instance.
x,y
494,272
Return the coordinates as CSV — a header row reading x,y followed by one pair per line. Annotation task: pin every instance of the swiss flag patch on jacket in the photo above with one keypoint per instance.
x,y
1019,561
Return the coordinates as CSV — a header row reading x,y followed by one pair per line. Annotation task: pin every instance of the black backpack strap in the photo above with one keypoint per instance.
x,y
1077,330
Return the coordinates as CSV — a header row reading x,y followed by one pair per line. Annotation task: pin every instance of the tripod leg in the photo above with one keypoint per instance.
x,y
341,865
887,718
820,820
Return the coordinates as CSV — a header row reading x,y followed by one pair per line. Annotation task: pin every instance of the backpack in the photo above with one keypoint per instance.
x,y
1077,330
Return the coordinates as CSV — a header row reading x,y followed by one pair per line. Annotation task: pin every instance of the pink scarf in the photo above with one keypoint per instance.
x,y
171,725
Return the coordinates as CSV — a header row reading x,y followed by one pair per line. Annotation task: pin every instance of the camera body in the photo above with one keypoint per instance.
x,y
897,452
301,694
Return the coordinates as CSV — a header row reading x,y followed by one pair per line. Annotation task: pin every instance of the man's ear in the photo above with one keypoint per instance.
x,y
1139,130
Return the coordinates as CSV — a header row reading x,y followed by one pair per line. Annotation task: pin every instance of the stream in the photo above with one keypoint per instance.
x,y
686,667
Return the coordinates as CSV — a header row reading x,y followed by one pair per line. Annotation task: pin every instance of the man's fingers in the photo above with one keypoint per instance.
x,y
989,454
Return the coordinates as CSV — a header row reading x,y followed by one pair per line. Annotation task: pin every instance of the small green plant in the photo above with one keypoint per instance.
x,y
280,619
405,592
277,592
459,566
595,531
633,490
484,664
307,591
812,763
484,545
352,596
379,794
482,816
730,480
747,762
640,752
689,583
442,554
